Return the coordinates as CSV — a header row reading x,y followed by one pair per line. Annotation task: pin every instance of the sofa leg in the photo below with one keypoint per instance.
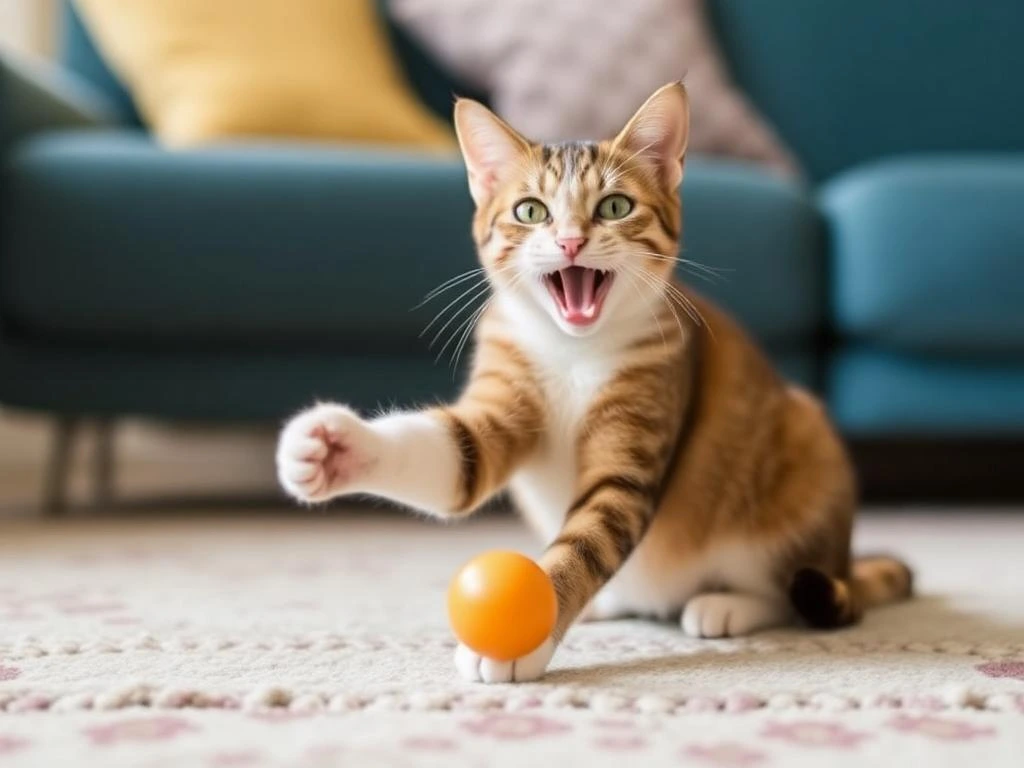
x,y
103,468
55,483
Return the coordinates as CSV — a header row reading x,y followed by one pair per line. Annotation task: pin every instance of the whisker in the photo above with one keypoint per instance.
x,y
455,332
712,271
657,288
660,293
700,271
452,303
689,307
633,285
684,303
469,326
467,304
449,284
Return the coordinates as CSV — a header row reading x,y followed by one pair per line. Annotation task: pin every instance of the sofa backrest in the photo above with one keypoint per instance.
x,y
434,86
846,81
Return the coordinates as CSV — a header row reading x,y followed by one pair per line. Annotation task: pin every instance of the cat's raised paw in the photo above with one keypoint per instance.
x,y
480,669
323,452
722,614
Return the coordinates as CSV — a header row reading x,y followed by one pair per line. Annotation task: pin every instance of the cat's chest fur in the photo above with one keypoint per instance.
x,y
545,485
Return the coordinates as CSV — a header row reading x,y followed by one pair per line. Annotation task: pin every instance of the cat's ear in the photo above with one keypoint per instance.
x,y
489,146
658,132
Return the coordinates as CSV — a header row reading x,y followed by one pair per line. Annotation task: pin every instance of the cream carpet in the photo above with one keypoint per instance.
x,y
313,640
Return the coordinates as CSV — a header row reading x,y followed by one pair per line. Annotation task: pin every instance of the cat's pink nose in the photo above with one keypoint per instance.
x,y
571,245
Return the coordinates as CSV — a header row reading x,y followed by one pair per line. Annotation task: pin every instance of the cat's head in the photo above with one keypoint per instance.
x,y
581,231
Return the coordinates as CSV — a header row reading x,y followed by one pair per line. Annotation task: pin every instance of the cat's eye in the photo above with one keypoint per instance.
x,y
614,207
530,211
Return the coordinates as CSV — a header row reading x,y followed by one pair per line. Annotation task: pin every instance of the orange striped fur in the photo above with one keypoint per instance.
x,y
666,466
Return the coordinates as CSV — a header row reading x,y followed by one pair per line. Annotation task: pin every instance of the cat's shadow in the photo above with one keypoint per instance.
x,y
923,624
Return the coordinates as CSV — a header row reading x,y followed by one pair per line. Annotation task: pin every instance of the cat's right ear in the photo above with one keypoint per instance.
x,y
489,146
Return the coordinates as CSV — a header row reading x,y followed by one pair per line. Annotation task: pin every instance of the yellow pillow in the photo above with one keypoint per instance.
x,y
206,70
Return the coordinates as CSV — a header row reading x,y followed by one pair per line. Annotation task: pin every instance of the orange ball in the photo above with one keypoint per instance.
x,y
502,605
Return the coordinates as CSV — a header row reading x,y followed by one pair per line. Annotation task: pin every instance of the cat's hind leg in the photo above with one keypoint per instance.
x,y
732,614
605,607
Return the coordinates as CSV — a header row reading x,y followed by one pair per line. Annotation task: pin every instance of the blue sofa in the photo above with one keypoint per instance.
x,y
237,283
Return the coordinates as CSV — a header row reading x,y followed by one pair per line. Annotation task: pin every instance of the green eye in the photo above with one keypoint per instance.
x,y
530,211
614,207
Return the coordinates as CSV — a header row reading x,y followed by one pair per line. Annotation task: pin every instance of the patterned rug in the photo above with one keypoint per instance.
x,y
314,640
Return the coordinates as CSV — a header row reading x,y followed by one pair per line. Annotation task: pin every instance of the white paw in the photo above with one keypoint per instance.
x,y
324,452
480,669
730,615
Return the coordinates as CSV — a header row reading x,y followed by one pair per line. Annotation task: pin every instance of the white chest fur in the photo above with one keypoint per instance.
x,y
544,486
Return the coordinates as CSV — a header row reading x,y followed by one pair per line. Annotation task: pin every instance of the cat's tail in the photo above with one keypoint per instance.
x,y
827,602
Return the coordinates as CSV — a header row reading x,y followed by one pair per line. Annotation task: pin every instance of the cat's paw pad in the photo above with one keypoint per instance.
x,y
480,669
323,452
728,615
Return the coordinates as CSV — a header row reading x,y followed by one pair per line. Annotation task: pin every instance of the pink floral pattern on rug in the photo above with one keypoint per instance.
x,y
725,754
940,728
140,729
429,744
239,759
1003,669
88,608
11,744
9,673
505,726
621,742
814,733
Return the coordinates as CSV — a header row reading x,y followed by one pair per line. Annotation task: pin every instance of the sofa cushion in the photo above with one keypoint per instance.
x,y
200,76
543,83
848,81
305,246
928,253
432,84
874,392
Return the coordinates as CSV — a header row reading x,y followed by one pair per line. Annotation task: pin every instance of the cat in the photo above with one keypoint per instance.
x,y
668,468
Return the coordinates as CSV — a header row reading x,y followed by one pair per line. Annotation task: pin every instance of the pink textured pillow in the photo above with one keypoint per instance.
x,y
566,69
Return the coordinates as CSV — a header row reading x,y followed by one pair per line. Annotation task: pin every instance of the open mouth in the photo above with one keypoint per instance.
x,y
579,293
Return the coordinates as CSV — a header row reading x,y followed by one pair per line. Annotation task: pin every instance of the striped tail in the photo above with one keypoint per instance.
x,y
827,603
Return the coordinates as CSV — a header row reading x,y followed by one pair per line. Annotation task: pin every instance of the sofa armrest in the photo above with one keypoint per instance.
x,y
37,96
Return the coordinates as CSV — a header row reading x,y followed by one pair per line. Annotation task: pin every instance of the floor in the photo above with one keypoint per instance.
x,y
319,638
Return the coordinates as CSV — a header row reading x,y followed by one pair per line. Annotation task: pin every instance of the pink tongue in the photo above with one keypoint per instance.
x,y
578,285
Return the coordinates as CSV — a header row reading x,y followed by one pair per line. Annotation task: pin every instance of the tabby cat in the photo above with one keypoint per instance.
x,y
666,466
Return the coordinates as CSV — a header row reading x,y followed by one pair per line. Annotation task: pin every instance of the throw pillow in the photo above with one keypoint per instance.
x,y
566,69
207,70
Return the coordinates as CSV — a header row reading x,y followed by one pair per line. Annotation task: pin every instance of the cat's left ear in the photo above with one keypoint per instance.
x,y
659,131
489,145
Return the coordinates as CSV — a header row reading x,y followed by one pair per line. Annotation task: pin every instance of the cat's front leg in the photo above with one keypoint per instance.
x,y
624,449
329,451
601,529
480,669
445,461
